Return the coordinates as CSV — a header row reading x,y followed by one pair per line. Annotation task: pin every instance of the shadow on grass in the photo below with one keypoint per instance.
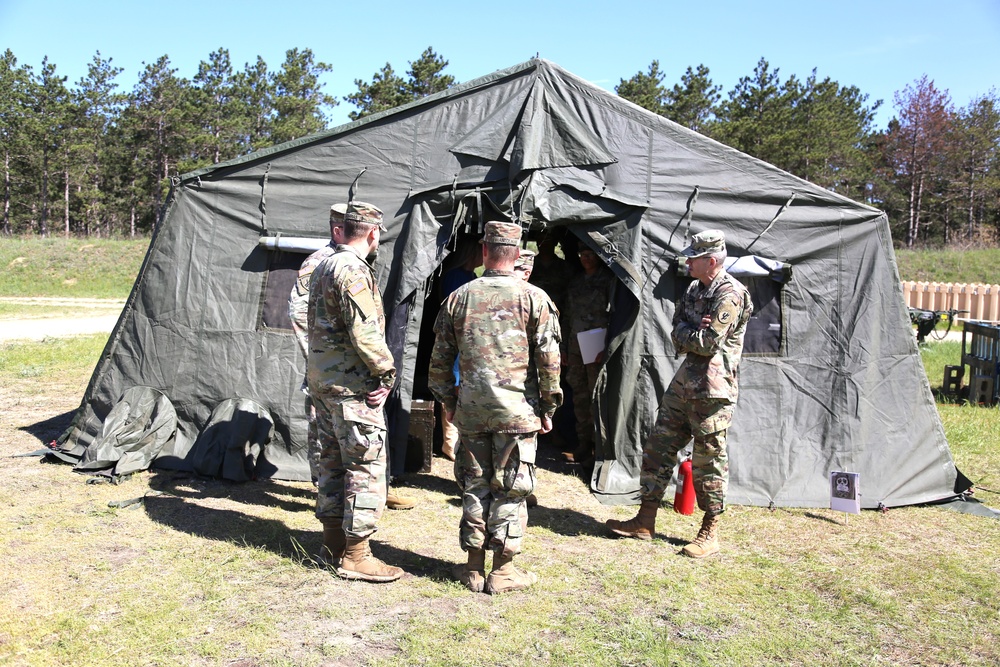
x,y
224,525
820,517
266,493
49,429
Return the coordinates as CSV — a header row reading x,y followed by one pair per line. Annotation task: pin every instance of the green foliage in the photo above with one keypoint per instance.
x,y
645,89
693,101
298,97
950,266
388,90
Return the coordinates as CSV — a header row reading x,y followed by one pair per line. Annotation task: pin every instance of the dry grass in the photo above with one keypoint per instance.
x,y
212,573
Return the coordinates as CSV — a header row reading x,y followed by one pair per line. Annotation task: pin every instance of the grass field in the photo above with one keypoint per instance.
x,y
950,266
69,268
210,573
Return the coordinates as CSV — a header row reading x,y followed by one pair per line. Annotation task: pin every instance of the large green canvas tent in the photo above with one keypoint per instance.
x,y
831,378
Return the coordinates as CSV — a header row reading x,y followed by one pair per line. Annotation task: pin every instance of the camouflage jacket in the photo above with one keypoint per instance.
x,y
298,300
506,335
587,304
348,355
710,369
554,279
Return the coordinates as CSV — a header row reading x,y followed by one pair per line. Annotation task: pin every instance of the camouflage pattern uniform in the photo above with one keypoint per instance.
x,y
554,275
506,335
701,397
586,308
298,313
348,357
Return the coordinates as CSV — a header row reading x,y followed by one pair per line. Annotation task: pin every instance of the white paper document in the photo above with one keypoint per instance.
x,y
591,344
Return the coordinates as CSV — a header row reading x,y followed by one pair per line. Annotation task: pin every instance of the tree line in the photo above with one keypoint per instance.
x,y
91,159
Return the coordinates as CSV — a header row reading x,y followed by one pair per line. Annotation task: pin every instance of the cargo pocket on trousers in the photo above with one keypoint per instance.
x,y
718,419
365,442
524,476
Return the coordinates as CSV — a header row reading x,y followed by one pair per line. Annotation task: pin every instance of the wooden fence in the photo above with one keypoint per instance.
x,y
981,301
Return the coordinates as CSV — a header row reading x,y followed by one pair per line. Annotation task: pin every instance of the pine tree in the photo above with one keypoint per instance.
x,y
160,118
387,90
693,101
646,89
299,101
426,77
99,105
14,103
756,117
253,89
219,112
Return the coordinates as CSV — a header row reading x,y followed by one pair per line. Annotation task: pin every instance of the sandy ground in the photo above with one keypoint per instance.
x,y
96,316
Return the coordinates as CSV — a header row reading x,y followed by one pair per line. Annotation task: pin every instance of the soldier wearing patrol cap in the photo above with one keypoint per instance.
x,y
525,264
506,335
709,324
350,372
298,313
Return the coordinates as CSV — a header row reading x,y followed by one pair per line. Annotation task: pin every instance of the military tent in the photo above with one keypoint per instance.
x,y
831,378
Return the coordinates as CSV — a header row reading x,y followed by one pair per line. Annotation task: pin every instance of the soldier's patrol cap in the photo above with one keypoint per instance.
x,y
705,243
526,260
502,233
368,214
337,212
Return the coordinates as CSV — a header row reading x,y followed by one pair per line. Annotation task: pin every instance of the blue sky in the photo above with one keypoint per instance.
x,y
880,47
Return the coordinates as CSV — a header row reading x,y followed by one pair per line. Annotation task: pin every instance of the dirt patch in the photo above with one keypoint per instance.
x,y
48,318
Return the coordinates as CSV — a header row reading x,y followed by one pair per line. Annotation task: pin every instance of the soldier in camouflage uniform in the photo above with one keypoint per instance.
x,y
506,335
350,372
587,302
524,265
298,313
709,324
298,308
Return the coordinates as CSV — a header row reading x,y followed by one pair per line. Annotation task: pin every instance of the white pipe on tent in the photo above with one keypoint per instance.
x,y
304,244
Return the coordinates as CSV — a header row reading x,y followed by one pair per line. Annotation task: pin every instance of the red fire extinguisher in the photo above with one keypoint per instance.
x,y
684,498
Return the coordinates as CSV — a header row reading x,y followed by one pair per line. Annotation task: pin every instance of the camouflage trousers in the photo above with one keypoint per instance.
x,y
678,421
495,472
312,440
582,378
351,486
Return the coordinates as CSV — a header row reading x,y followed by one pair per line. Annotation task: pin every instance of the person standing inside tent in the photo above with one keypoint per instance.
x,y
350,372
506,333
709,324
587,301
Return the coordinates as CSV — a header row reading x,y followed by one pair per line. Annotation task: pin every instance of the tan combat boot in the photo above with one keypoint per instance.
x,y
707,542
359,563
505,577
395,501
642,526
473,573
334,544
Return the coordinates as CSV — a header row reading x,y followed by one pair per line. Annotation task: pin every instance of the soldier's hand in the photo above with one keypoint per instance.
x,y
705,322
546,424
377,397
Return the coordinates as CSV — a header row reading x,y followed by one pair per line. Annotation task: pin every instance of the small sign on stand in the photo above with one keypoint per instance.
x,y
845,492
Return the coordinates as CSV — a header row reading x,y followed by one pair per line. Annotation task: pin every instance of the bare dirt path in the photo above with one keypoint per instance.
x,y
93,316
